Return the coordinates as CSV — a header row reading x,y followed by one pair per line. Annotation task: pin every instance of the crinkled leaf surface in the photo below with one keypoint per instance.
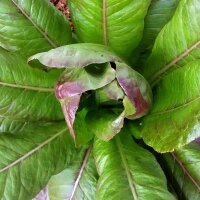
x,y
27,94
177,43
29,159
78,181
183,167
174,71
87,75
32,26
174,118
128,171
74,82
118,24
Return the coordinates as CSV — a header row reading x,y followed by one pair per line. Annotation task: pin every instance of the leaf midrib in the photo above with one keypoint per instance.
x,y
176,108
163,69
104,23
185,170
27,87
37,148
82,167
44,34
124,162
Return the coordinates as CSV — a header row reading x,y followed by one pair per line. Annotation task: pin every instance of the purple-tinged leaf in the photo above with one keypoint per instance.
x,y
43,195
136,88
76,56
74,82
198,140
70,106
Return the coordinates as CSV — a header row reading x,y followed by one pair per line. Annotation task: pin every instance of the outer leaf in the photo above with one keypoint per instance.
x,y
184,171
29,159
174,118
76,182
32,26
128,171
76,56
177,43
118,24
23,90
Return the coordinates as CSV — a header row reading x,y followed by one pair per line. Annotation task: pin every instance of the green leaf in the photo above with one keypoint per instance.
x,y
32,26
174,118
29,159
159,13
76,182
115,24
74,82
105,123
183,168
76,56
127,171
177,43
26,94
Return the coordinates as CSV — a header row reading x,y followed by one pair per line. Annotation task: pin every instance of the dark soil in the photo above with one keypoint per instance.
x,y
62,6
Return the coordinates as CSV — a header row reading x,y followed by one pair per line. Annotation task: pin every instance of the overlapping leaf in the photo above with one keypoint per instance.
x,y
116,24
183,167
32,26
174,119
128,171
84,77
159,13
76,182
30,158
26,94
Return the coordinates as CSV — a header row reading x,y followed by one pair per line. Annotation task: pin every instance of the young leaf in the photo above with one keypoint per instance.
x,y
73,82
76,182
184,171
174,118
30,158
32,26
27,94
177,43
118,25
128,171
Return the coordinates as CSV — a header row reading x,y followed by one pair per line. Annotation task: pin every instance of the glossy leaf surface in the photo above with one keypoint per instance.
x,y
29,159
177,43
118,24
76,182
128,171
183,167
174,118
26,94
31,26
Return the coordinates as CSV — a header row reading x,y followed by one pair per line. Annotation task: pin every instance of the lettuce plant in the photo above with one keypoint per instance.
x,y
107,111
